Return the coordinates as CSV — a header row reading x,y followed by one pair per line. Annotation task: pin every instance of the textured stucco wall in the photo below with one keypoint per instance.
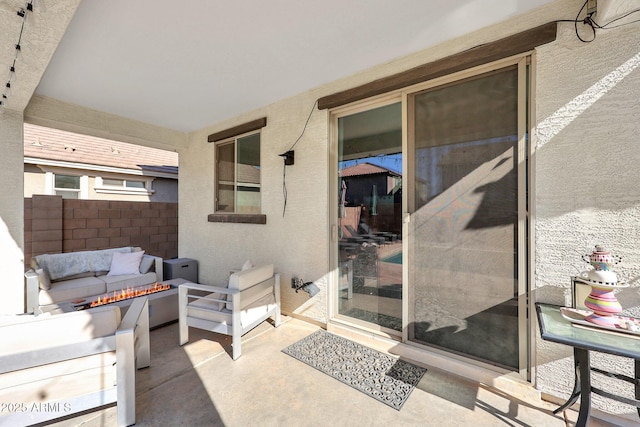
x,y
11,213
34,181
296,242
584,174
587,165
584,171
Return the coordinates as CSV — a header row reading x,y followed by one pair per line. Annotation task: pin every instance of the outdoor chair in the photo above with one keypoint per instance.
x,y
364,237
53,366
251,297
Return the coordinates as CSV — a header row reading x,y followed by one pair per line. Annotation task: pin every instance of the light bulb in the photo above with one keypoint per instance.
x,y
18,52
12,74
7,91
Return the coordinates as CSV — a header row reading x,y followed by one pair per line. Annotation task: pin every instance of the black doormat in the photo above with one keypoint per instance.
x,y
376,374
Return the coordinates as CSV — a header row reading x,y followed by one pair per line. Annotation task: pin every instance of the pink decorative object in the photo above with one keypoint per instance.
x,y
602,300
601,259
604,304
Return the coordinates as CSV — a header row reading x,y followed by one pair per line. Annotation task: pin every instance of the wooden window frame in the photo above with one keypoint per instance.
x,y
231,133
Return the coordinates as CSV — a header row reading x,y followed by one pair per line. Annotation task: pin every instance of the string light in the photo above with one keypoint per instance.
x,y
23,13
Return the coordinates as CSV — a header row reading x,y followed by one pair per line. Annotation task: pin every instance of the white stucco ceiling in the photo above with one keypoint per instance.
x,y
188,64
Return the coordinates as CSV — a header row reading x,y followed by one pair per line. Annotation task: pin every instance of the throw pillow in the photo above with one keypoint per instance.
x,y
146,264
125,263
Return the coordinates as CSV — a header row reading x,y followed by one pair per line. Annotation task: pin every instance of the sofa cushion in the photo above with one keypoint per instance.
x,y
52,331
203,309
43,279
116,283
147,262
125,263
80,276
72,289
60,381
101,260
246,278
59,266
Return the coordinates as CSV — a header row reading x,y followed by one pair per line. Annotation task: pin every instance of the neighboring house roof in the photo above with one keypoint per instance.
x,y
246,173
53,144
366,169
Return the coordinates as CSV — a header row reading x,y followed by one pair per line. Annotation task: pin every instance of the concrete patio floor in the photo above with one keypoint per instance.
x,y
200,385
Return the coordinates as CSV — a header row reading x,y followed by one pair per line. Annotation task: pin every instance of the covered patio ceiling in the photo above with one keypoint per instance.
x,y
185,65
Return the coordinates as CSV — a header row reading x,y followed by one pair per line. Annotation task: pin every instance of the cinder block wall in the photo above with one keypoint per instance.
x,y
55,225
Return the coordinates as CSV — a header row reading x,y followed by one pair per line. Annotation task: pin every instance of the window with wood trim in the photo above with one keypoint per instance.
x,y
124,185
67,186
238,175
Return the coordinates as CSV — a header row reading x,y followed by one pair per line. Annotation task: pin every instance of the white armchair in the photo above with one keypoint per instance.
x,y
251,297
57,365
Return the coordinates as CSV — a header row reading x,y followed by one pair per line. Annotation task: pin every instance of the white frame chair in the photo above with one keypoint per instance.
x,y
132,348
251,297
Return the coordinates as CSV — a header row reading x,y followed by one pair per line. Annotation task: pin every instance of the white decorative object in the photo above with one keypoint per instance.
x,y
602,300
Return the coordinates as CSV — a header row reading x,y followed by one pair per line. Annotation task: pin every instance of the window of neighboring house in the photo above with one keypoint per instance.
x,y
238,175
67,186
123,186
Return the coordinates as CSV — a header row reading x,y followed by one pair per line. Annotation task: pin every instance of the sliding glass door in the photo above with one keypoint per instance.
x,y
464,229
430,225
369,217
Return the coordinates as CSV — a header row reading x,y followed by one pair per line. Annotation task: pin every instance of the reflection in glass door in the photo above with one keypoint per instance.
x,y
464,230
369,218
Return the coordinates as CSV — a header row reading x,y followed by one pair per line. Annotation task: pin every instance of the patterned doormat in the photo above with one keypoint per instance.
x,y
376,374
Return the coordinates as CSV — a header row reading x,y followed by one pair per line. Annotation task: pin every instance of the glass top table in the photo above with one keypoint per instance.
x,y
555,328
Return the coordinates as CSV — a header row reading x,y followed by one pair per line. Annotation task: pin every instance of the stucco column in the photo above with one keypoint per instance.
x,y
11,213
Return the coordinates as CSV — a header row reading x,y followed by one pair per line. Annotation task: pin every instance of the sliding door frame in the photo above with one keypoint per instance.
x,y
526,150
333,293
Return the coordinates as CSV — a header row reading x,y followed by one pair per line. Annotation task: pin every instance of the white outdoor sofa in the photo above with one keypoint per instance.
x,y
57,278
251,297
53,366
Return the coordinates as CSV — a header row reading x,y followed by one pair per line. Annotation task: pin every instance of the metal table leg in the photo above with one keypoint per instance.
x,y
637,375
584,367
575,394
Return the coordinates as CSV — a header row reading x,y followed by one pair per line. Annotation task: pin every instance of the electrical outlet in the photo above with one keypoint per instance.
x,y
296,283
592,7
293,282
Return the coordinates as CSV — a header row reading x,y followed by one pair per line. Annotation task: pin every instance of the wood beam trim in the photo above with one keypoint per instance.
x,y
238,218
479,55
238,130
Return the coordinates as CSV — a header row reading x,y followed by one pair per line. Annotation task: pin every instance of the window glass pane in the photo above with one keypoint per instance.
x,y
225,198
249,150
370,217
66,181
225,156
248,199
248,178
135,184
464,229
113,182
68,194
